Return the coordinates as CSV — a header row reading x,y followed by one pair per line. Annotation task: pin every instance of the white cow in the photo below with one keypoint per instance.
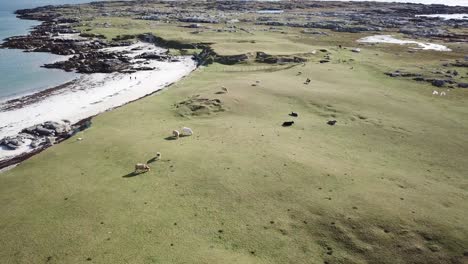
x,y
435,92
187,131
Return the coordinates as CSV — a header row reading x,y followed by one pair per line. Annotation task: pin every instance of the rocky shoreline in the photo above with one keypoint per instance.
x,y
88,55
41,136
56,35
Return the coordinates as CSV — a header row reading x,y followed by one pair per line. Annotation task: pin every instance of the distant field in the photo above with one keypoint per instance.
x,y
387,184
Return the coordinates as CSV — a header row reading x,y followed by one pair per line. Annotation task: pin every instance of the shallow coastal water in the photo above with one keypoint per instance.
x,y
21,72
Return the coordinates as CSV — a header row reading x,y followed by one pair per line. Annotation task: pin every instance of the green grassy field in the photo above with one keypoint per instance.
x,y
387,184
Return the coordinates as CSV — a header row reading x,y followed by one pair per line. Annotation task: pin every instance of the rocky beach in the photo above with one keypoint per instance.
x,y
112,74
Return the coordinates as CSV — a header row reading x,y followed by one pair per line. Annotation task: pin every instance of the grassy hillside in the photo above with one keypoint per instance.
x,y
386,184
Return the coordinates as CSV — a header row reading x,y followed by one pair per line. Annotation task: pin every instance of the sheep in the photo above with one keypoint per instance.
x,y
141,167
443,94
186,131
158,156
224,89
288,123
307,81
435,92
176,134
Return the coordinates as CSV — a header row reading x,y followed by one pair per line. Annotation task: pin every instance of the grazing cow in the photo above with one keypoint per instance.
x,y
435,92
288,123
187,131
293,114
140,167
332,122
443,94
176,134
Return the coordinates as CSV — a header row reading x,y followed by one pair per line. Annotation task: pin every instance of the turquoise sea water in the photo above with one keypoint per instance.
x,y
20,72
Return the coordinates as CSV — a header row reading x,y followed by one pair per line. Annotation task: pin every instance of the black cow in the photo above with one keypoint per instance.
x,y
288,123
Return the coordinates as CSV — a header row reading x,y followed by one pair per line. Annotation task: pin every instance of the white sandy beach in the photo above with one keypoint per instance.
x,y
95,93
391,40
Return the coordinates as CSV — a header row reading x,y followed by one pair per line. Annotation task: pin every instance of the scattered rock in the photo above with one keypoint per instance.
x,y
438,83
402,74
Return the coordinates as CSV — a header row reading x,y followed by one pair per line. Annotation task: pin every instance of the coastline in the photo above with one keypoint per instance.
x,y
88,95
72,101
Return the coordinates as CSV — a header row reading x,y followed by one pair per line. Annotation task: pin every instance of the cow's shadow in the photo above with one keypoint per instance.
x,y
175,138
133,174
152,160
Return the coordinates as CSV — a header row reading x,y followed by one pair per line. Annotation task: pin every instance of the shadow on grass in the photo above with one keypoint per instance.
x,y
133,174
175,138
152,160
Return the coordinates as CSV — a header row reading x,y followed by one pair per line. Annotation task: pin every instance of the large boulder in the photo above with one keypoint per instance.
x,y
438,83
42,131
12,142
58,127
